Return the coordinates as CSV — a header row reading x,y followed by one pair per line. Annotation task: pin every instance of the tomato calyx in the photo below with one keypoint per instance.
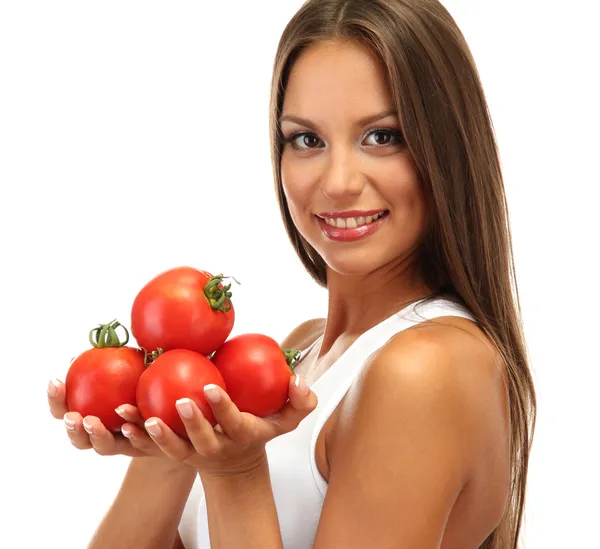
x,y
149,358
291,357
105,335
218,297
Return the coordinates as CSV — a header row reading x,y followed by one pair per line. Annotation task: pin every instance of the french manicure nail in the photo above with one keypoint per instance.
x,y
69,423
301,384
53,386
153,427
126,431
121,411
185,407
212,393
88,428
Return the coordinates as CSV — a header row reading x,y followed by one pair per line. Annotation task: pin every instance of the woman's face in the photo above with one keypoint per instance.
x,y
338,168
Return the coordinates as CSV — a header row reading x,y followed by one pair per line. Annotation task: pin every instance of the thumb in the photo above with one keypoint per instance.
x,y
301,397
299,405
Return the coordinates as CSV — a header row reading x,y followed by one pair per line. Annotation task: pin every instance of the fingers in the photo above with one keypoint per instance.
x,y
244,428
101,439
106,443
89,432
202,435
77,435
154,437
167,441
204,440
140,440
135,431
300,395
299,405
240,428
130,414
57,398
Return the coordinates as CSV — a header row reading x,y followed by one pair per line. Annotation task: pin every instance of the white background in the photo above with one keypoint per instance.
x,y
133,138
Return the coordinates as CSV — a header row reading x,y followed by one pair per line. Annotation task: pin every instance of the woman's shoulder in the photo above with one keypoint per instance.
x,y
426,415
447,367
305,334
452,349
458,338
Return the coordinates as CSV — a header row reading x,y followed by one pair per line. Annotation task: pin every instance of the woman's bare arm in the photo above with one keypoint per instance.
x,y
148,508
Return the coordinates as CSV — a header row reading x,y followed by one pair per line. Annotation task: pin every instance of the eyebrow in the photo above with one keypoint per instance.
x,y
360,122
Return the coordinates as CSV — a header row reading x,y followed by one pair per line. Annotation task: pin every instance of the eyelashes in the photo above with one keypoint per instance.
x,y
392,134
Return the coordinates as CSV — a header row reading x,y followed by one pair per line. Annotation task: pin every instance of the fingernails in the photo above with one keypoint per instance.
x,y
184,405
88,428
126,431
121,411
212,392
301,384
69,423
153,427
53,386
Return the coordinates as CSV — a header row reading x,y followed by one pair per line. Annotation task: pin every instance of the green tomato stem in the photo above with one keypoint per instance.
x,y
291,357
149,358
106,335
218,298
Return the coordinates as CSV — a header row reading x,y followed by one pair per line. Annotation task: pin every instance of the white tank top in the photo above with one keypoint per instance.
x,y
298,487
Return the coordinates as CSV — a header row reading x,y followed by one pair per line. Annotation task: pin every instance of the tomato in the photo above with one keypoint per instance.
x,y
173,375
101,379
257,372
183,308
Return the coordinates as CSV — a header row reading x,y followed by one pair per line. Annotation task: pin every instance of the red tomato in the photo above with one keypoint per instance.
x,y
101,379
176,374
256,372
176,310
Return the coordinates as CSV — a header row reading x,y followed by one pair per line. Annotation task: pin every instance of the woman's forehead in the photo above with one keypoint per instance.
x,y
330,79
325,64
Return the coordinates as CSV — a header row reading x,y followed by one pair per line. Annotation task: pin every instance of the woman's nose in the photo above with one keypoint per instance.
x,y
342,181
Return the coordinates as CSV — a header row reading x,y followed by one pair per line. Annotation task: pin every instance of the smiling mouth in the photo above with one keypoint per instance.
x,y
352,222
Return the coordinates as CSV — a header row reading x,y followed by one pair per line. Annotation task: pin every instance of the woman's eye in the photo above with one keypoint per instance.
x,y
384,137
303,141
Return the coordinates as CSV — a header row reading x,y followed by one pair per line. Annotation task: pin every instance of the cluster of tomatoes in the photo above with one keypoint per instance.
x,y
181,321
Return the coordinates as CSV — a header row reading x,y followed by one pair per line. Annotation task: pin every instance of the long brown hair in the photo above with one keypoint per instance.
x,y
447,127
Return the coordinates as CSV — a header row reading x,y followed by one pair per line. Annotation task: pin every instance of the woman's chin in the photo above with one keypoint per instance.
x,y
352,265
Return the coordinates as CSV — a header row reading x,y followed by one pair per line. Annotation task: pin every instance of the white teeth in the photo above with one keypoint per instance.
x,y
352,222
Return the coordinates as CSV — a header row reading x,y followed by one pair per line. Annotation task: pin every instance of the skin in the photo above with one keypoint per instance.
x,y
417,455
149,506
347,166
150,502
441,479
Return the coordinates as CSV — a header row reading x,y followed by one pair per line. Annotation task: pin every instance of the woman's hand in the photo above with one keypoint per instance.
x,y
89,432
237,444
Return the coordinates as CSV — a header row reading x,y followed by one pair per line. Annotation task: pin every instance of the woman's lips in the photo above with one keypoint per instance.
x,y
350,213
351,235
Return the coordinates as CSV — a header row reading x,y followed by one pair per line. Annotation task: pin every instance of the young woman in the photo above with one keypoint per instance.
x,y
416,428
